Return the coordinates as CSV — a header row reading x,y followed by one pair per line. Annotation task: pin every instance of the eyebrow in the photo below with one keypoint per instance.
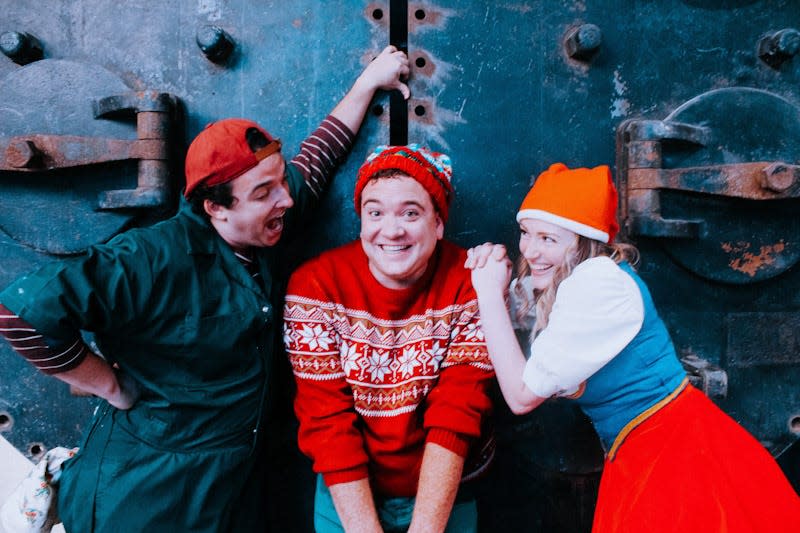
x,y
404,204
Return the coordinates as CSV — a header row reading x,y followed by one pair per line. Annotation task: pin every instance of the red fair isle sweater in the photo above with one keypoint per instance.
x,y
382,372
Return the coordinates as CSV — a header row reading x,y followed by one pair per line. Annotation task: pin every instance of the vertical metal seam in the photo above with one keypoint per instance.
x,y
398,107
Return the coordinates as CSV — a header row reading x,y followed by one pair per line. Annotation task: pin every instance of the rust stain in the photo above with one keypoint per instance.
x,y
297,23
748,262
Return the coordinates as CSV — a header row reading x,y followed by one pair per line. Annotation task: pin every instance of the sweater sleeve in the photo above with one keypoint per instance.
x,y
322,152
324,404
460,400
31,345
598,310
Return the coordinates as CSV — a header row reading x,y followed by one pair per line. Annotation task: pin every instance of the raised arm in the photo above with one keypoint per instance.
x,y
384,72
491,275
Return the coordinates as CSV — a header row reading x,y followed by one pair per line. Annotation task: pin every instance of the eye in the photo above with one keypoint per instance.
x,y
548,238
523,232
411,213
374,213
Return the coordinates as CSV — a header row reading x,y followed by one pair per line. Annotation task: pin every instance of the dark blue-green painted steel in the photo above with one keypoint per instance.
x,y
493,86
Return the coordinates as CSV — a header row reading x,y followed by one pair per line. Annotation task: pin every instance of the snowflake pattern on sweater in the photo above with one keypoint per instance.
x,y
391,365
381,373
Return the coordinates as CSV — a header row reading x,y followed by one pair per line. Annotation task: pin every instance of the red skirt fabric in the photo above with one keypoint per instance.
x,y
692,468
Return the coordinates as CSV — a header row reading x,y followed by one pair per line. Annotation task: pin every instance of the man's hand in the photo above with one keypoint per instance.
x,y
127,392
384,72
95,376
387,71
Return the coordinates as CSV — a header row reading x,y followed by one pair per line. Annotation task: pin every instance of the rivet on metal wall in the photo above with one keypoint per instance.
x,y
583,41
215,43
21,47
36,451
777,47
778,177
6,421
794,424
23,154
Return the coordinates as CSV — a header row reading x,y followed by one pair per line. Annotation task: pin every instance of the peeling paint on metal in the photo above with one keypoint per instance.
x,y
435,17
750,263
519,8
211,8
432,130
620,106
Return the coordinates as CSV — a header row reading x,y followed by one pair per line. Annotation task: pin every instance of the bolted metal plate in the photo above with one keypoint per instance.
x,y
742,240
56,211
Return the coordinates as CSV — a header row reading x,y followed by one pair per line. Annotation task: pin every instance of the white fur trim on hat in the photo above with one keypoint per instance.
x,y
566,223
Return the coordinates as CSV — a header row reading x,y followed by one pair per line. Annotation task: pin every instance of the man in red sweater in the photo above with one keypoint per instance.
x,y
391,367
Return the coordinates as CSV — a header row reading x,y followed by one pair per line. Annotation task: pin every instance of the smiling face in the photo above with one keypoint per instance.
x,y
260,199
399,230
545,247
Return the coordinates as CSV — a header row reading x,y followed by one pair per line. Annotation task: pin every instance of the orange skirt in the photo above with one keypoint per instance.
x,y
692,468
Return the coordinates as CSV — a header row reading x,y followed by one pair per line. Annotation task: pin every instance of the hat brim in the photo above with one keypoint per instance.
x,y
566,223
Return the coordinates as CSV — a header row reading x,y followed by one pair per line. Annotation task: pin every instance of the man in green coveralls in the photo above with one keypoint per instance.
x,y
185,314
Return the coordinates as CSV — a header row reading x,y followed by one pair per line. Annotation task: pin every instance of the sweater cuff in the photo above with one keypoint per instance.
x,y
345,476
455,442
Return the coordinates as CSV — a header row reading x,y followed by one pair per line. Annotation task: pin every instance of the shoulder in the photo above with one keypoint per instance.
x,y
451,258
163,240
600,282
333,264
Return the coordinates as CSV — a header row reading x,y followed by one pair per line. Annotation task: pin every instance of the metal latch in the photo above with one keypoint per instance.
x,y
40,153
641,163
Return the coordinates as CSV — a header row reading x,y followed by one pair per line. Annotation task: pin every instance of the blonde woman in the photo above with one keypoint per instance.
x,y
674,460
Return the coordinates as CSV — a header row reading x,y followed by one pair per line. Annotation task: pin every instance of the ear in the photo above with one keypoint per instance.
x,y
215,211
439,227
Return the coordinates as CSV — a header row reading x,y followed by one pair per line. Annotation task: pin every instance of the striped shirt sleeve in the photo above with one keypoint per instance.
x,y
322,152
31,345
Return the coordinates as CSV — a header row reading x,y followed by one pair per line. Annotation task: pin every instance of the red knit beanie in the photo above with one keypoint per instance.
x,y
432,170
582,200
222,153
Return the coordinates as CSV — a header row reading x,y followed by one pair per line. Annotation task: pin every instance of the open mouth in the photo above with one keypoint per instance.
x,y
275,224
539,269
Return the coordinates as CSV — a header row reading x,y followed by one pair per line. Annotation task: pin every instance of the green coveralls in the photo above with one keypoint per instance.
x,y
179,313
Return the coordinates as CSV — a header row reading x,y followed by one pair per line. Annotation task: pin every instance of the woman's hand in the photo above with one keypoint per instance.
x,y
491,268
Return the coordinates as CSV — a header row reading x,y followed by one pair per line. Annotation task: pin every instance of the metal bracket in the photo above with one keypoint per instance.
x,y
641,176
40,153
710,379
153,113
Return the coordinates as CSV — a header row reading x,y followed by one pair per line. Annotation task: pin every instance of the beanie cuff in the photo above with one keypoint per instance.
x,y
566,223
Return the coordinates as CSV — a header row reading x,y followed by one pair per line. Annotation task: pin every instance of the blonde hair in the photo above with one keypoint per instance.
x,y
579,251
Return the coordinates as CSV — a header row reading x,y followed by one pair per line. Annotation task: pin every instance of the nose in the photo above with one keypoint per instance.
x,y
392,228
285,200
528,249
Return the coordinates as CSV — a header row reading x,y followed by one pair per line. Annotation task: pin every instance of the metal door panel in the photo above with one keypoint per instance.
x,y
499,91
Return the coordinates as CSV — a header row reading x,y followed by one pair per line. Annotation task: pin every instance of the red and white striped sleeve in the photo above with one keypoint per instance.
x,y
31,345
322,152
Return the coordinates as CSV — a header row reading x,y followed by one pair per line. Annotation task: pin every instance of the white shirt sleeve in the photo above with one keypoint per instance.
x,y
598,310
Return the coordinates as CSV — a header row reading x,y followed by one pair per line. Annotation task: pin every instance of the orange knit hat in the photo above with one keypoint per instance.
x,y
582,200
222,152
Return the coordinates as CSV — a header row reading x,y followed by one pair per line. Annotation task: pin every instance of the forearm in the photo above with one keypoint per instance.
x,y
356,507
352,108
439,478
322,152
504,350
384,72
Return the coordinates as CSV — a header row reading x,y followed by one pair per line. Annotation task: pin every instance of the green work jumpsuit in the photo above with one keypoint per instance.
x,y
175,309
